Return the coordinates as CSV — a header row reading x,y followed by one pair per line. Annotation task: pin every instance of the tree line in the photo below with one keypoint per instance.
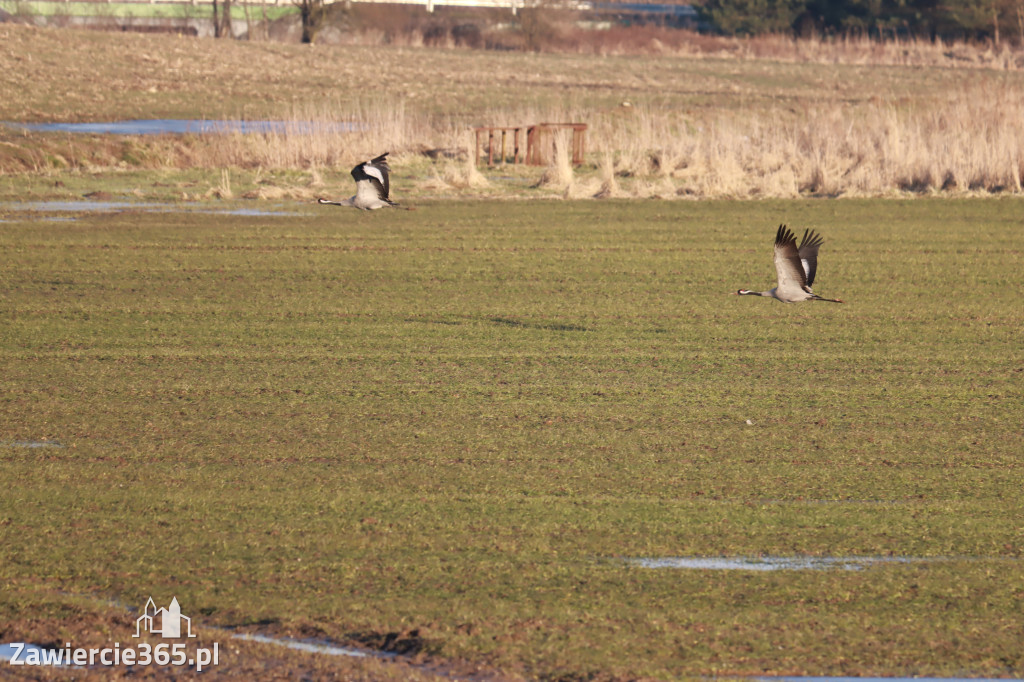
x,y
973,20
993,21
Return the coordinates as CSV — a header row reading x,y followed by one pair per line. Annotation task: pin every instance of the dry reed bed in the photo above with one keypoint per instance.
x,y
970,141
757,118
966,141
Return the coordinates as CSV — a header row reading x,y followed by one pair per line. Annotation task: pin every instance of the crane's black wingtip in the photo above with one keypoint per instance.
x,y
811,238
784,235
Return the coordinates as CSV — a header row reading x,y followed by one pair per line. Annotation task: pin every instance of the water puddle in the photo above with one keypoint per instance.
x,y
119,206
22,653
99,206
246,211
884,679
313,646
772,563
176,126
33,444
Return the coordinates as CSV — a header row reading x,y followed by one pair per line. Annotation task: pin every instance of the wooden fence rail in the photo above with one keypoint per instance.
x,y
540,143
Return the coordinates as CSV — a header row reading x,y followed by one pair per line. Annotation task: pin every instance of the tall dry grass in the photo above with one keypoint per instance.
x,y
960,141
559,174
964,141
332,134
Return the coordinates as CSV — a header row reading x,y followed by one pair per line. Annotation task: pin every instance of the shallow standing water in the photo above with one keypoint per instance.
x,y
796,563
147,206
46,443
884,679
177,126
326,648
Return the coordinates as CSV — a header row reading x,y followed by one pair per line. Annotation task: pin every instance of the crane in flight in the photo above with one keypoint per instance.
x,y
795,268
372,186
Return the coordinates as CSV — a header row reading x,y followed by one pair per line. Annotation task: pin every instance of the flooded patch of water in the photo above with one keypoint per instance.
x,y
66,206
246,211
884,679
313,646
25,654
118,206
175,126
33,443
772,563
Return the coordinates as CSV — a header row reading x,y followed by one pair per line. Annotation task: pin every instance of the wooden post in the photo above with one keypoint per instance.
x,y
533,150
539,139
579,144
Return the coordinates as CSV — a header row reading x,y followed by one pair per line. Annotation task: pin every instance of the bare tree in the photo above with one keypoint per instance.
x,y
312,13
982,18
1019,10
249,26
222,20
225,21
538,22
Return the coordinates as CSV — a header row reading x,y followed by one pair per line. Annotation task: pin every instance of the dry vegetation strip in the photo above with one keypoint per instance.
x,y
673,125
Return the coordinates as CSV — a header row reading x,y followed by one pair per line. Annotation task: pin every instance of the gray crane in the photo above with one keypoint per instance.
x,y
795,268
372,187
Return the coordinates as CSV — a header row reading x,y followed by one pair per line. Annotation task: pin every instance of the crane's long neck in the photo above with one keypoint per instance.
x,y
747,292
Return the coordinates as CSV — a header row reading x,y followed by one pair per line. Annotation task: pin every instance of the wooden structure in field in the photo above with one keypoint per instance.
x,y
540,143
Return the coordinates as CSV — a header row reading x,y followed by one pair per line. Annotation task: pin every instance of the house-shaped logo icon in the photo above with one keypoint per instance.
x,y
167,622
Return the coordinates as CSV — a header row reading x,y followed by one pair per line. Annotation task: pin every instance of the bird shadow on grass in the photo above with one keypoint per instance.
x,y
505,322
548,326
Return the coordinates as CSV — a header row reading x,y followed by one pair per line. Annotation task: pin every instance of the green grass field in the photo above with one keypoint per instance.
x,y
457,422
